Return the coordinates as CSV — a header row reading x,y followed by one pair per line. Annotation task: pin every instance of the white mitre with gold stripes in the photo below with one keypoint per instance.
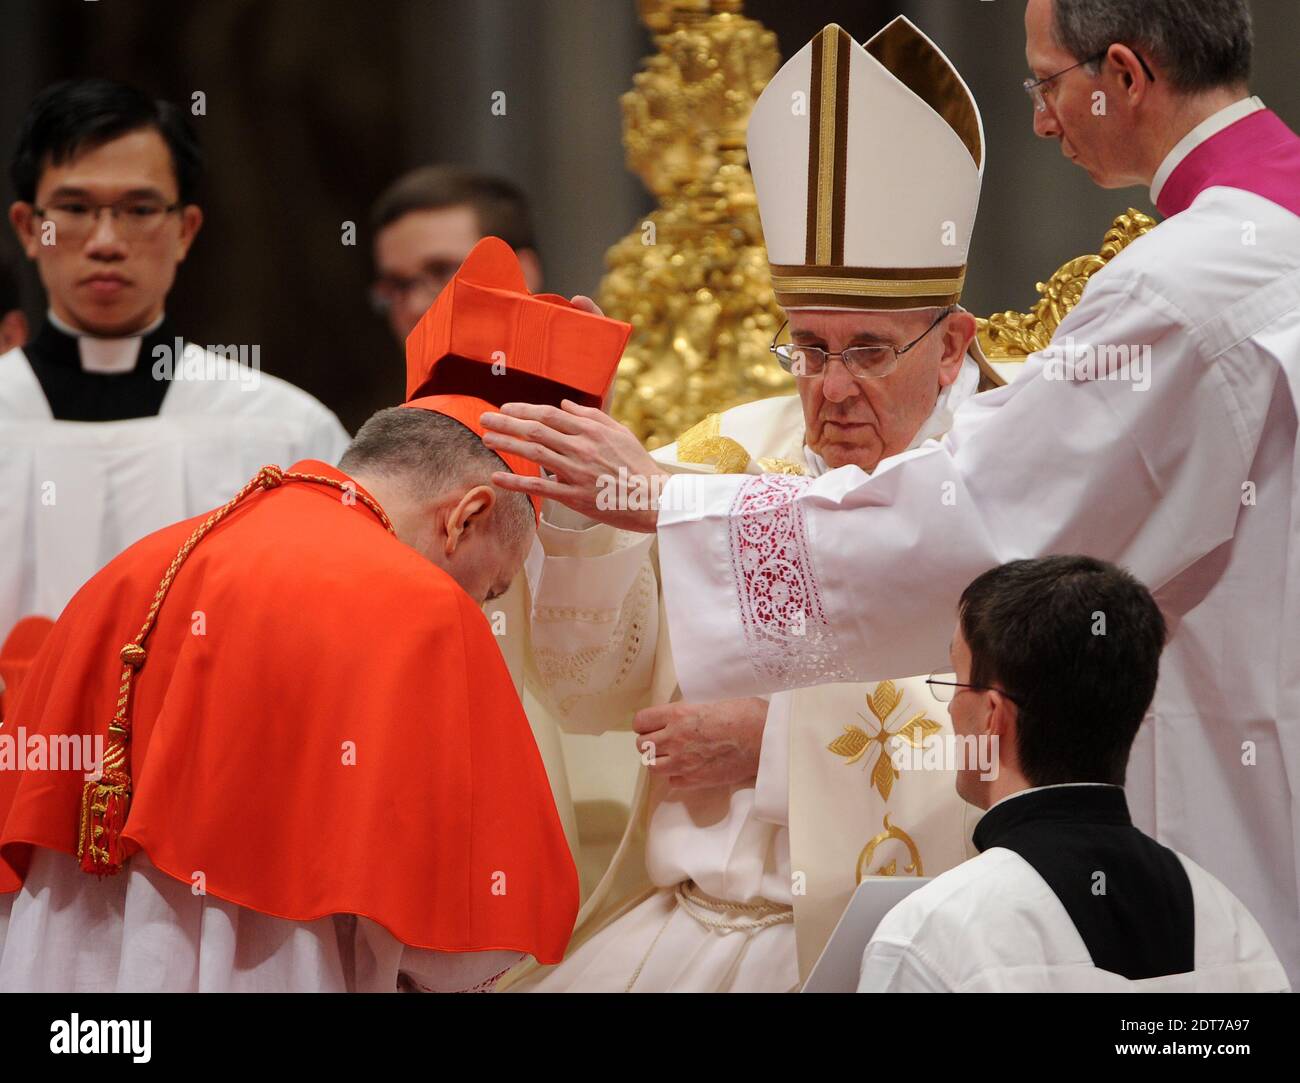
x,y
867,161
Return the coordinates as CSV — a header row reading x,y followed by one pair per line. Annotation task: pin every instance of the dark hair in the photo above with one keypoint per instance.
x,y
431,453
501,207
1076,643
1201,44
74,116
10,294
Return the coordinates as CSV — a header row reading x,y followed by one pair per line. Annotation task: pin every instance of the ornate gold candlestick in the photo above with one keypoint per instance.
x,y
1012,336
692,278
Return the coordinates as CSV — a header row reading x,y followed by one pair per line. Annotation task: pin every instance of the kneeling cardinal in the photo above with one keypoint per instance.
x,y
313,769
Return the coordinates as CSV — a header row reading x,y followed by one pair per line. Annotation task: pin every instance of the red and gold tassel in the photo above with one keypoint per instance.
x,y
106,800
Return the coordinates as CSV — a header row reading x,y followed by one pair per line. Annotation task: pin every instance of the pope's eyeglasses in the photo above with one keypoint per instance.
x,y
864,362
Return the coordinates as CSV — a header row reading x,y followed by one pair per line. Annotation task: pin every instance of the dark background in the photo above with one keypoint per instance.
x,y
313,106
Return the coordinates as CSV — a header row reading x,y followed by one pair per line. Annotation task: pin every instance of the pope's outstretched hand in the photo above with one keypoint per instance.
x,y
598,466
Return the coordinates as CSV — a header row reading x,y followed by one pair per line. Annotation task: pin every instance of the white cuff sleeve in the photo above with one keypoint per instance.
x,y
583,570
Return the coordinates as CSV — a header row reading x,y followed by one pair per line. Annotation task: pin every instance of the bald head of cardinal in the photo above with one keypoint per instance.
x,y
433,477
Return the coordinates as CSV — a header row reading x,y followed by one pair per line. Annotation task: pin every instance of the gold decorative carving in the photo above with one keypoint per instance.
x,y
1013,336
913,868
692,279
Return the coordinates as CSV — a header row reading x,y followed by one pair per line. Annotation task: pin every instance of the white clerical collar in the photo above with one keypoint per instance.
x,y
1039,789
939,421
1211,125
105,354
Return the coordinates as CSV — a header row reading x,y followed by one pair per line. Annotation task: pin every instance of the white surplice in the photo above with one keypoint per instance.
x,y
76,493
992,925
1188,477
143,931
732,843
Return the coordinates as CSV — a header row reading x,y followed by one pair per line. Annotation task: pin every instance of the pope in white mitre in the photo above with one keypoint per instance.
x,y
757,818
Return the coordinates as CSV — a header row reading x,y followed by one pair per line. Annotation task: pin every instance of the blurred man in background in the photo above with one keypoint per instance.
x,y
424,225
111,423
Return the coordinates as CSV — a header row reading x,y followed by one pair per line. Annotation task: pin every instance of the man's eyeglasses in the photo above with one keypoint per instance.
x,y
945,690
135,219
1036,88
862,361
394,289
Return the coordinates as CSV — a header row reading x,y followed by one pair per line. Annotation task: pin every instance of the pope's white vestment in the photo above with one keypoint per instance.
x,y
1159,432
658,920
76,493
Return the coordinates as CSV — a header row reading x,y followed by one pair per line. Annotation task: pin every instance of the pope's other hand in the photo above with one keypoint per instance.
x,y
583,303
696,745
599,467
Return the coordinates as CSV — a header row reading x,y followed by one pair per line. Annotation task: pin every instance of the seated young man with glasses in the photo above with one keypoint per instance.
x,y
106,181
1055,665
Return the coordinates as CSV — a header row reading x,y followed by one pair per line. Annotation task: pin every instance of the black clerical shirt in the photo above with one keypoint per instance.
x,y
75,394
1128,896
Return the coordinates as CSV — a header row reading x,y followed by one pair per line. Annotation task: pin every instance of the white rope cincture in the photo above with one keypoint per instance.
x,y
731,917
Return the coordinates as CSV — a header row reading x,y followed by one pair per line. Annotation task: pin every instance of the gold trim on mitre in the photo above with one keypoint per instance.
x,y
828,136
825,286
